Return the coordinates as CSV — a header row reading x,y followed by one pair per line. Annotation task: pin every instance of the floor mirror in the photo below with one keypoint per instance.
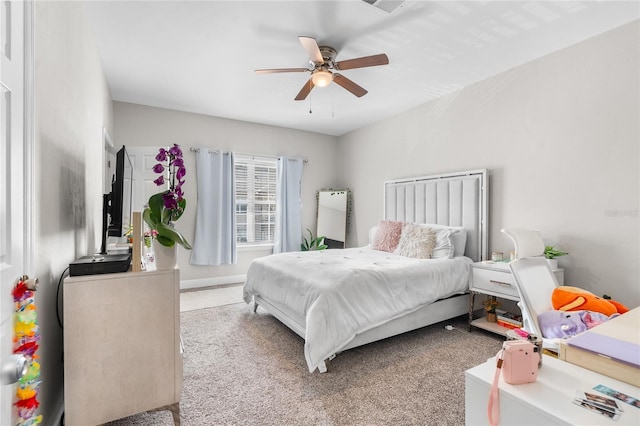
x,y
333,216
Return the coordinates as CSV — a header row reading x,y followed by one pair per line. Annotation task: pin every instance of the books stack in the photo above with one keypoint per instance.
x,y
508,319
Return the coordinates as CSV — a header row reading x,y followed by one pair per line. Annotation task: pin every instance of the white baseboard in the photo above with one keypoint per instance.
x,y
212,282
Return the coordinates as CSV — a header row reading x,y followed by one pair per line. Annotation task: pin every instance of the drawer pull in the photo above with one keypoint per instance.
x,y
500,283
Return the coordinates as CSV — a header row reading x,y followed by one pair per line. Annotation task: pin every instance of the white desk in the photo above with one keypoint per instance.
x,y
548,401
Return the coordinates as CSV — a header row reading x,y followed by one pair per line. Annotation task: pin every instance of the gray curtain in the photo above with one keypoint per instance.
x,y
288,232
215,237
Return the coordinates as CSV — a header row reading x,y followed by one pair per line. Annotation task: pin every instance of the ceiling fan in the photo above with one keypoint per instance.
x,y
322,60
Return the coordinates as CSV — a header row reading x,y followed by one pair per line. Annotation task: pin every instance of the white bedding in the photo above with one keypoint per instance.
x,y
341,293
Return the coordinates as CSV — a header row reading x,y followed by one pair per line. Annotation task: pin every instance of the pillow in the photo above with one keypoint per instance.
x,y
459,241
387,235
457,237
372,234
444,247
416,241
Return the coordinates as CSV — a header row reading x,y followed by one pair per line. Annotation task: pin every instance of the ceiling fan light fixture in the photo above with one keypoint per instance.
x,y
322,60
321,78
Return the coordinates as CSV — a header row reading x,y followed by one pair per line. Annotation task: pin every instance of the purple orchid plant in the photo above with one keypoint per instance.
x,y
168,206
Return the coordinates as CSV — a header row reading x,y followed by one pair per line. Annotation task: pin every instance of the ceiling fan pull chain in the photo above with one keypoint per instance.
x,y
332,103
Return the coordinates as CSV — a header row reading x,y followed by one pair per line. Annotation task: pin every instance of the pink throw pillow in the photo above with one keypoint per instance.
x,y
387,235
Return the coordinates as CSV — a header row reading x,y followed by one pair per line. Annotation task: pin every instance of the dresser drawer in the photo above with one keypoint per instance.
x,y
494,281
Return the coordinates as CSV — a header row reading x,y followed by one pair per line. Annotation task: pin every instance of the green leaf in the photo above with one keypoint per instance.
x,y
320,244
146,215
156,206
167,232
307,244
167,242
166,216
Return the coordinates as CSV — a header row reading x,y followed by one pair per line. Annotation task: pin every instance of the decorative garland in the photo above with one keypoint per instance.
x,y
25,342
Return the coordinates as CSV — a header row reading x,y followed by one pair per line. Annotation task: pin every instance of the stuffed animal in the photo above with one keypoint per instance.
x,y
567,298
559,324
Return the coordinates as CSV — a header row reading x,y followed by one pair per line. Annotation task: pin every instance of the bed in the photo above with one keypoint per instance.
x,y
343,298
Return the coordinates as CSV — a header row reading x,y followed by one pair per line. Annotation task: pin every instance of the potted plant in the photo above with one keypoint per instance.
x,y
551,254
490,306
313,243
166,207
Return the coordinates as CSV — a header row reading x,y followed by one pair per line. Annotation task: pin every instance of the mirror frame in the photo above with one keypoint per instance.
x,y
348,207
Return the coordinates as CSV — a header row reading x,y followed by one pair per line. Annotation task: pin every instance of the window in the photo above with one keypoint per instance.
x,y
255,199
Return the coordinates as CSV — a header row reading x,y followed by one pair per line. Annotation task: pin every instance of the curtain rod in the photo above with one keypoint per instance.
x,y
194,149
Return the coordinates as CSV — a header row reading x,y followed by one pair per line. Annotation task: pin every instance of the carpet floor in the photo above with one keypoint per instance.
x,y
242,368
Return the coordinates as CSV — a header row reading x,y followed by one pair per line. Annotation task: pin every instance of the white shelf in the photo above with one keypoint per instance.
x,y
495,279
490,326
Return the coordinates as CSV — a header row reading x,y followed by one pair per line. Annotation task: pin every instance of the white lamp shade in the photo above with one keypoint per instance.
x,y
527,242
322,78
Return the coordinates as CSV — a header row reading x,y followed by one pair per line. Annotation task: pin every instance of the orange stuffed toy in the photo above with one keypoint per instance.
x,y
567,298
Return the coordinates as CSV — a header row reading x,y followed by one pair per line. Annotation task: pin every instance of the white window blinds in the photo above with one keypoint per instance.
x,y
255,199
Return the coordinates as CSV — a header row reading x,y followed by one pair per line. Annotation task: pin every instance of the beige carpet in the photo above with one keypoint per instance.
x,y
192,300
248,369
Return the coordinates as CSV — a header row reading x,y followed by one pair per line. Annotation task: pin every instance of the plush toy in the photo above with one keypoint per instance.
x,y
567,298
559,324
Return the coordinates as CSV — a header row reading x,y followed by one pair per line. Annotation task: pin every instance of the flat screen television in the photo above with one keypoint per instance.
x,y
116,205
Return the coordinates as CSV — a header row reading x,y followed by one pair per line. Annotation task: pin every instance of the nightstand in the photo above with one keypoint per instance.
x,y
495,279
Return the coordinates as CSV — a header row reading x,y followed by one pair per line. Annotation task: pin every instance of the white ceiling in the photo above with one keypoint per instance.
x,y
200,56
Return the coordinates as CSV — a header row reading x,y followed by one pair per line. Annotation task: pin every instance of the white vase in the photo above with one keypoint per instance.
x,y
553,264
165,257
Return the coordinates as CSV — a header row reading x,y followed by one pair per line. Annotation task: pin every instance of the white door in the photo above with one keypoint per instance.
x,y
109,165
143,158
12,206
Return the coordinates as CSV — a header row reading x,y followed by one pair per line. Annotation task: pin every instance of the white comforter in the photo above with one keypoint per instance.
x,y
341,293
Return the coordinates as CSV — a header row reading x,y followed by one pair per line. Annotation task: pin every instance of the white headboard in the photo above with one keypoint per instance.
x,y
454,199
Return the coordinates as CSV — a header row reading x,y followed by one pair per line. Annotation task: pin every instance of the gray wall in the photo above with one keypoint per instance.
x,y
72,105
137,125
560,138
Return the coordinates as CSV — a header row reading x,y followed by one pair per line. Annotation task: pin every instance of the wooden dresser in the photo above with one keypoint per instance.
x,y
121,345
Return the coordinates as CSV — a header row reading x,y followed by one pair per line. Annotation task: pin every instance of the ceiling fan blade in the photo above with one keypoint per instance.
x,y
365,61
304,92
276,70
311,46
343,81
